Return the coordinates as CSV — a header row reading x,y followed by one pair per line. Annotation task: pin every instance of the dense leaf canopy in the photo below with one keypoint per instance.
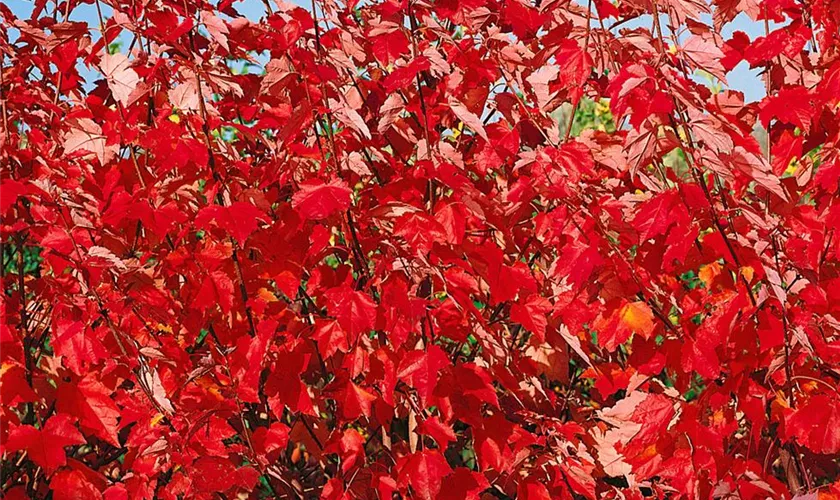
x,y
420,249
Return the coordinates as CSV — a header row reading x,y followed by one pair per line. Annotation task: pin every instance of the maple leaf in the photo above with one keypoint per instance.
x,y
239,219
213,474
420,369
46,446
531,314
790,105
351,118
91,401
185,97
463,484
705,55
248,360
440,432
318,200
284,386
122,79
540,81
468,118
655,216
334,490
216,289
424,472
389,112
355,401
472,382
700,356
579,260
355,311
404,76
549,361
653,412
269,440
496,442
815,424
532,490
152,384
331,338
575,64
86,135
640,146
16,388
631,317
74,482
216,27
758,169
523,19
350,447
11,190
79,347
388,42
505,281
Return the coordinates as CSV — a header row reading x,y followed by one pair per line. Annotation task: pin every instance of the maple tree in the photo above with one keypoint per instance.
x,y
420,249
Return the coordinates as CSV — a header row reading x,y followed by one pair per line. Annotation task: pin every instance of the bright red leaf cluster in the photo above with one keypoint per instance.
x,y
429,249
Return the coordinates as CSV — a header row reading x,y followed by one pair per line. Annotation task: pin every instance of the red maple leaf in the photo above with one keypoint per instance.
x,y
46,446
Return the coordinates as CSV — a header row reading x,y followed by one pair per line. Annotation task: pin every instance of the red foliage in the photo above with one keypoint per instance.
x,y
358,254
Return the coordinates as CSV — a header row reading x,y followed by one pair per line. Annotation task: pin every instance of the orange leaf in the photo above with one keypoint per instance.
x,y
638,317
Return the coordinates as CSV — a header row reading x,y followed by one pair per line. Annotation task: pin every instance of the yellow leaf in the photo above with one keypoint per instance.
x,y
747,272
